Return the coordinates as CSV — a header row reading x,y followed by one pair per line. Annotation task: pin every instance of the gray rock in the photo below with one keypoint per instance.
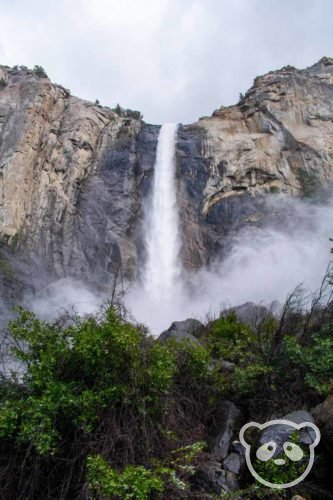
x,y
237,447
233,463
212,478
323,415
181,330
250,313
280,433
227,423
299,416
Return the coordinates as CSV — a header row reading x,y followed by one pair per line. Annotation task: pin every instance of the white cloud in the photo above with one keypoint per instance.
x,y
175,61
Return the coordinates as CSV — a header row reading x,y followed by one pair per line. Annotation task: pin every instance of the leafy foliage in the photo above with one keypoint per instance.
x,y
290,355
127,113
313,361
134,482
40,71
309,182
99,408
99,387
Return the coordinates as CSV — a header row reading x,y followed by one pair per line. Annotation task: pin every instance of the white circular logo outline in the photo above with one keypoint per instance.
x,y
268,424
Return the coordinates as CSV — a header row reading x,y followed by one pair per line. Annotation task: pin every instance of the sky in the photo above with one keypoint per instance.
x,y
174,60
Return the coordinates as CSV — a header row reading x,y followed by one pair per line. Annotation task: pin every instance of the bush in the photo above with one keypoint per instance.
x,y
127,113
313,362
131,113
134,482
290,355
40,71
3,83
100,387
118,110
309,182
99,407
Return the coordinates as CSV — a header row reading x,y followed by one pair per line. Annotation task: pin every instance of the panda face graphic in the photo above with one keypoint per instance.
x,y
285,452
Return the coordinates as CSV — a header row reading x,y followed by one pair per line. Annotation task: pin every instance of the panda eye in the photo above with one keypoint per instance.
x,y
266,451
293,451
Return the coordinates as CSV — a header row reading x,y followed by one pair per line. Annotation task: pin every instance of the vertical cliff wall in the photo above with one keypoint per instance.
x,y
74,175
277,139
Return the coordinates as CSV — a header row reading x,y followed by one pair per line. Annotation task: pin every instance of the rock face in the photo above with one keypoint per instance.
x,y
74,175
278,138
72,178
228,422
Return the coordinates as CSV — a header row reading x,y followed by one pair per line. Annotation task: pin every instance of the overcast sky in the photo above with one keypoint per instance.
x,y
174,60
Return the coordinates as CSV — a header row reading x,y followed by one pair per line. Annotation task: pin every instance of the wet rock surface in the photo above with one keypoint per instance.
x,y
74,175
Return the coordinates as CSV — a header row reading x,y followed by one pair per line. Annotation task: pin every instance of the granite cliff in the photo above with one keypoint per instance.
x,y
74,175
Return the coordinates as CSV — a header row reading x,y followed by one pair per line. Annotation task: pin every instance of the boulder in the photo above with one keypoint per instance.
x,y
281,433
211,478
228,421
323,415
181,330
234,463
249,313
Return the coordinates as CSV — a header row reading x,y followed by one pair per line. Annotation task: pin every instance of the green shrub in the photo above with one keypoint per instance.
x,y
101,387
231,339
6,268
132,113
3,83
133,482
40,71
127,113
314,362
309,183
99,405
118,110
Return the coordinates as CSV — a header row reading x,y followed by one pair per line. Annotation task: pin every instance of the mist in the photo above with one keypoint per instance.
x,y
64,296
264,265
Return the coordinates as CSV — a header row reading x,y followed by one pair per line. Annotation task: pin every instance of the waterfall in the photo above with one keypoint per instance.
x,y
162,239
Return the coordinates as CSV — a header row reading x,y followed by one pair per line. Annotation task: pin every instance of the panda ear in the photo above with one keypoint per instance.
x,y
309,433
248,433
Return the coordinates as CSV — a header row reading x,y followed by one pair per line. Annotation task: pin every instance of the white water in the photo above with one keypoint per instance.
x,y
162,238
263,265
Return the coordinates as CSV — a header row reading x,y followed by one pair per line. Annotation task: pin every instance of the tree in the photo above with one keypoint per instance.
x,y
40,71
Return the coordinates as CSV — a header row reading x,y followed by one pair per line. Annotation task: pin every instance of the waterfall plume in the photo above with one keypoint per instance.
x,y
162,238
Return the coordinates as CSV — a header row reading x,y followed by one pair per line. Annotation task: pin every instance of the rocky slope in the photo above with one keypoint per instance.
x,y
74,175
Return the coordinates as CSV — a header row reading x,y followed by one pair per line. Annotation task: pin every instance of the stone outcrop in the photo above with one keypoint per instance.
x,y
67,167
72,178
74,175
278,138
189,329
